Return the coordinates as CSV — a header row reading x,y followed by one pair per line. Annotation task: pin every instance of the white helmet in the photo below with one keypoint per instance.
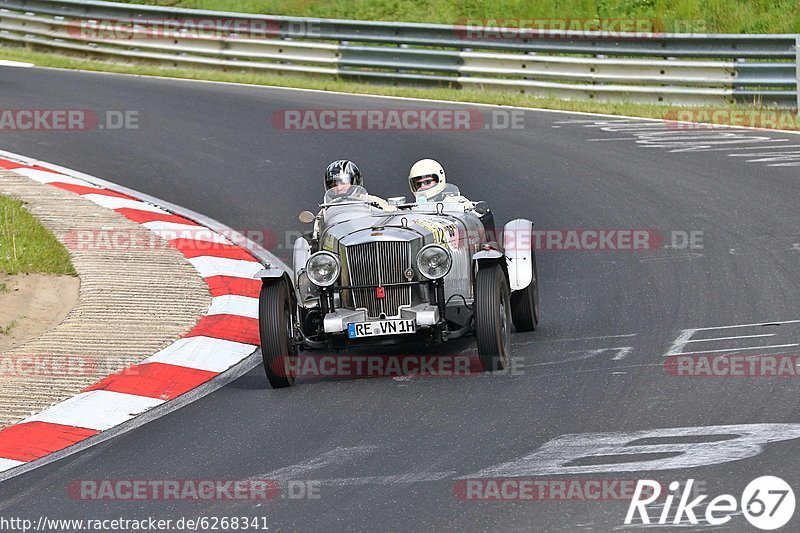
x,y
426,179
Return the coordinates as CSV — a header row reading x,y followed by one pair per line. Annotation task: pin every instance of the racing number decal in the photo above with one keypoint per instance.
x,y
444,232
329,243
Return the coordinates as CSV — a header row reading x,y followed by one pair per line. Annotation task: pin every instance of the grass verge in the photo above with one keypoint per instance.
x,y
6,330
712,16
27,247
786,121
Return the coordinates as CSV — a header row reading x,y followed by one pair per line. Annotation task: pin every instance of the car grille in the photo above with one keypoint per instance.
x,y
379,263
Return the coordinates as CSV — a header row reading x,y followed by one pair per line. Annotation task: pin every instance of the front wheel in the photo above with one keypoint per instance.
x,y
278,351
493,317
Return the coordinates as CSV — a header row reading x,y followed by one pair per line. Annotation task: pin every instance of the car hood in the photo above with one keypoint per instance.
x,y
354,228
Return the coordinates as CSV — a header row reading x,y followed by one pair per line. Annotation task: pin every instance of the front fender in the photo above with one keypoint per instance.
x,y
300,254
489,256
518,248
270,274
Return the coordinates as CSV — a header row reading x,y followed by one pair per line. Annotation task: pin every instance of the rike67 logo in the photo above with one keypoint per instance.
x,y
767,503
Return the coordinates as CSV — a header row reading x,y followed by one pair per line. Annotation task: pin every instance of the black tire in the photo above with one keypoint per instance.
x,y
493,317
278,352
525,303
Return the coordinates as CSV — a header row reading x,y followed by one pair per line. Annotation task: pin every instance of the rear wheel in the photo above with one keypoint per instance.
x,y
493,317
525,303
275,324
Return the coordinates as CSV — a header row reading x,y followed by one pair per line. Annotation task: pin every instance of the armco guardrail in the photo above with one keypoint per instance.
x,y
677,69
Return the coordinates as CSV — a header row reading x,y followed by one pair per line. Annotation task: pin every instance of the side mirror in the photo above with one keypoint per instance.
x,y
481,208
397,200
307,217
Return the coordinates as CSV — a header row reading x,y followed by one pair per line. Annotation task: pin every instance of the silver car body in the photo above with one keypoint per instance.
x,y
378,248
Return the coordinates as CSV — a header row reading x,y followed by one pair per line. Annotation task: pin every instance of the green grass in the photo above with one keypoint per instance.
x,y
722,16
4,288
27,247
6,330
330,84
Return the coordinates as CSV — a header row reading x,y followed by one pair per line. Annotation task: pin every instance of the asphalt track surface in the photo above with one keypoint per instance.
x,y
391,449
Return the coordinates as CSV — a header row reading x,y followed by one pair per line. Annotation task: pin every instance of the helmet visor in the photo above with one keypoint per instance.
x,y
424,182
340,179
346,193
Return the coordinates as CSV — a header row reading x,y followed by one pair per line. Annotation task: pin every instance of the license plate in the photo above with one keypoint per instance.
x,y
356,330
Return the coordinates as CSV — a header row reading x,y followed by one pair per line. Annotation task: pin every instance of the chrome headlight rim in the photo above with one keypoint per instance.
x,y
447,254
336,262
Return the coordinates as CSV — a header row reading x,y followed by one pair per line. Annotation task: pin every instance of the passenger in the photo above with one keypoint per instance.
x,y
428,182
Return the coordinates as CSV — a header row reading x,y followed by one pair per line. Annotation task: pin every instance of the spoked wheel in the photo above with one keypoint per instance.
x,y
275,324
493,317
525,303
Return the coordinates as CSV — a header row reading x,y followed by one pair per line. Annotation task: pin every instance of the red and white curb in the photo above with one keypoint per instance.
x,y
225,336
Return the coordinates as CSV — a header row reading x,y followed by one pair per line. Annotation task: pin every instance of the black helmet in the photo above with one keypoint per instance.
x,y
342,172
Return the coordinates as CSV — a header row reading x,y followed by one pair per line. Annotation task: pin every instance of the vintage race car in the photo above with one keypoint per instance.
x,y
424,271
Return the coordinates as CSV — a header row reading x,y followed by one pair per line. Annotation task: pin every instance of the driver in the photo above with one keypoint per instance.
x,y
428,182
344,180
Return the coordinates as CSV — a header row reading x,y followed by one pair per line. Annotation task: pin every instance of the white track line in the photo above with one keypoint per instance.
x,y
623,351
730,350
732,338
750,325
17,64
398,479
571,339
337,456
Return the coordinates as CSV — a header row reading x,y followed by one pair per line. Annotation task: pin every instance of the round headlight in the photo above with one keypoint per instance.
x,y
323,269
434,262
